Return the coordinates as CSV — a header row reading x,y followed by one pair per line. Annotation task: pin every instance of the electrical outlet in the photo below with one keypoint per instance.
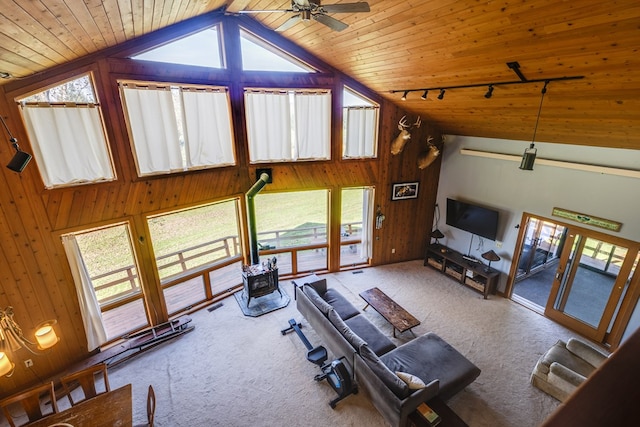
x,y
498,244
393,251
28,363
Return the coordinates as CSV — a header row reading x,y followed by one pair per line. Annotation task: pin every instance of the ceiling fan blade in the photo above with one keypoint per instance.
x,y
265,11
362,6
289,23
330,22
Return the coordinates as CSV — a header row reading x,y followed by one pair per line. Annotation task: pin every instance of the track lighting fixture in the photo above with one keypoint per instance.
x,y
529,155
514,66
424,95
489,92
20,159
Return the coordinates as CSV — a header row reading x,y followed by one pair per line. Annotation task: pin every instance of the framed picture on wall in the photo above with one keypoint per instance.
x,y
404,190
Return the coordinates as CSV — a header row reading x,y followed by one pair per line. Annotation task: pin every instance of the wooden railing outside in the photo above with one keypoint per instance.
x,y
125,281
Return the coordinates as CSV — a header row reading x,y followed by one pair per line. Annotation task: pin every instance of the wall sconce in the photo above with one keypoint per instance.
x,y
379,218
12,339
20,159
529,155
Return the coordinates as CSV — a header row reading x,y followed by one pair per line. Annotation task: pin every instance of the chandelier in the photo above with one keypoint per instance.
x,y
12,339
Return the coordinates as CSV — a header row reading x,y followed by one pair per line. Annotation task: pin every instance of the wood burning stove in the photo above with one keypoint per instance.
x,y
258,279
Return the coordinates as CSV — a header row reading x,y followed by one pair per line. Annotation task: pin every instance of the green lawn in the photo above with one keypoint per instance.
x,y
108,249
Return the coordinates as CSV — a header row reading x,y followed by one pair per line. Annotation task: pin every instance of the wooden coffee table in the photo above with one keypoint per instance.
x,y
399,318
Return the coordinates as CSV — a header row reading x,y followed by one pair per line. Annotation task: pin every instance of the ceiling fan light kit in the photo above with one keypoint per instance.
x,y
306,10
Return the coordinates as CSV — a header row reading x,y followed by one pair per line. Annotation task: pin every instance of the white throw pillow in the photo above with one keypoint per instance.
x,y
412,381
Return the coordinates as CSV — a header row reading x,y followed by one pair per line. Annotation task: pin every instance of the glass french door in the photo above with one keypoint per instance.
x,y
590,282
542,245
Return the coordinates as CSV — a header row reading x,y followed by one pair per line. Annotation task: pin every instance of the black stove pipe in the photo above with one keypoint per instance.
x,y
251,217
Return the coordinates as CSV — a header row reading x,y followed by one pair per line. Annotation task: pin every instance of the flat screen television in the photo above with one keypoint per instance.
x,y
475,219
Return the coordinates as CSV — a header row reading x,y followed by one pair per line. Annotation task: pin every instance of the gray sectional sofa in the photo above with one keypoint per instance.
x,y
376,359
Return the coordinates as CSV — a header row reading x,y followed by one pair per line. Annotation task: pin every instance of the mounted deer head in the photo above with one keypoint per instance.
x,y
401,140
425,159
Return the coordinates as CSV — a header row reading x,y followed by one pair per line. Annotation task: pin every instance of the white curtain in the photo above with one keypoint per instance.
x,y
207,128
313,125
367,223
268,126
89,307
154,129
68,143
359,132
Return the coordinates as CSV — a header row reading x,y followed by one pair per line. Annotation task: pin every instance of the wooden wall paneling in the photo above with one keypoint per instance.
x,y
32,286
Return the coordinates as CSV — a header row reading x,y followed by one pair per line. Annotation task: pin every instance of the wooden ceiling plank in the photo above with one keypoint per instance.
x,y
27,30
115,21
99,18
21,58
125,16
76,26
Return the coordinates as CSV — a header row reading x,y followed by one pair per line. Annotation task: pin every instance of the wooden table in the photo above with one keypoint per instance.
x,y
110,409
399,318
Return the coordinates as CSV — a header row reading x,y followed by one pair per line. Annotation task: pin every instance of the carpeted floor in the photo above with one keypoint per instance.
x,y
235,370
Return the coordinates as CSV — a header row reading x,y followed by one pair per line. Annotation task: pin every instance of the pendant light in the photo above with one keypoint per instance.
x,y
529,155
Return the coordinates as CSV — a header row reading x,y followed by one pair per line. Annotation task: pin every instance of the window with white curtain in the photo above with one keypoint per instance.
x,y
288,124
67,136
176,128
360,126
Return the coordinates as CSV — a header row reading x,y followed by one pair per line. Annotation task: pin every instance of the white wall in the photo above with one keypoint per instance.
x,y
501,185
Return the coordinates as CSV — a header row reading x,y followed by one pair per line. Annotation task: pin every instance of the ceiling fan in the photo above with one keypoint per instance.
x,y
306,10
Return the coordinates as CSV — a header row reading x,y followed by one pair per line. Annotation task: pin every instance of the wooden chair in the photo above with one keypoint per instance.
x,y
151,408
30,401
86,378
151,405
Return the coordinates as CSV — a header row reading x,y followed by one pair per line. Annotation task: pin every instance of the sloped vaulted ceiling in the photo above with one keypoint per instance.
x,y
407,45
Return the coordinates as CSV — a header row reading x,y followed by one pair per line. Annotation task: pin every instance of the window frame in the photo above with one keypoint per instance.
x,y
180,113
376,125
103,143
294,148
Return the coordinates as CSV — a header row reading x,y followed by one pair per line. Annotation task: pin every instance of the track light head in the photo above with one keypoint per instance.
x,y
441,94
404,95
424,95
489,92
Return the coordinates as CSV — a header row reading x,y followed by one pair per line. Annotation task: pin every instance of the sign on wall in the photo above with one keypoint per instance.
x,y
587,219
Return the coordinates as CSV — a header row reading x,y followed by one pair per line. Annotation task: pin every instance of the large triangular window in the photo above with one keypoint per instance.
x,y
200,49
259,55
